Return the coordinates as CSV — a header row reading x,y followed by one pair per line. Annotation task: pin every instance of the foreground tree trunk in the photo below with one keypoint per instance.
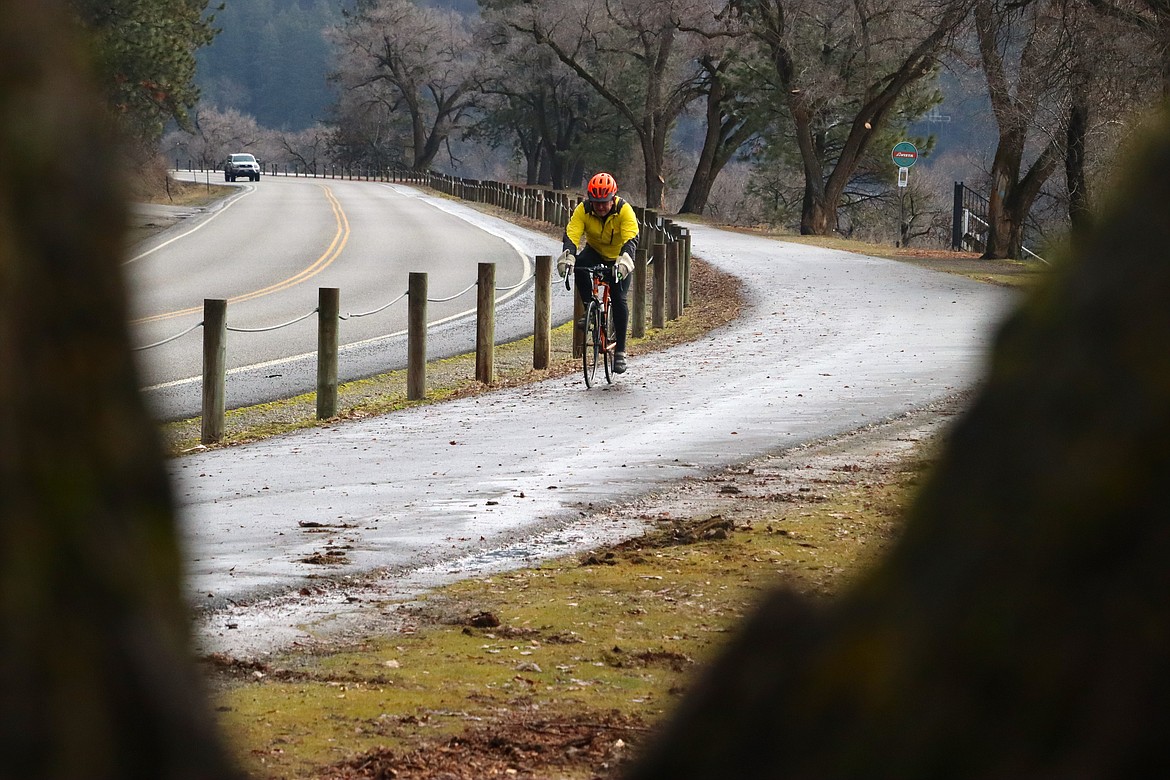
x,y
96,676
1019,628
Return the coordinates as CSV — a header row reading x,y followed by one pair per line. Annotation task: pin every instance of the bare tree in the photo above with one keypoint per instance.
x,y
215,134
732,117
307,149
97,678
636,57
1152,19
550,114
1017,47
1117,61
841,70
395,56
1063,77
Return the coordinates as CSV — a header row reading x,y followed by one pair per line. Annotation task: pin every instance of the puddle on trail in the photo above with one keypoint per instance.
x,y
349,607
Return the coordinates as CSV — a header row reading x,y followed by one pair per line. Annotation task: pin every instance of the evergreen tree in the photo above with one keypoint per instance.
x,y
145,55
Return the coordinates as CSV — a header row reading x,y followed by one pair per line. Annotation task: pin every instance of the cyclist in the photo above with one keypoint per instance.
x,y
610,231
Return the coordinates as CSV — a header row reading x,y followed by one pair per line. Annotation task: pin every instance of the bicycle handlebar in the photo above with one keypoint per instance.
x,y
597,270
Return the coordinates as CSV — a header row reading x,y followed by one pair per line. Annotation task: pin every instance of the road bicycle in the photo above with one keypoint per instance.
x,y
596,327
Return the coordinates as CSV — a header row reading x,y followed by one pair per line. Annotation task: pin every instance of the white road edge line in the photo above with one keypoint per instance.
x,y
247,190
411,193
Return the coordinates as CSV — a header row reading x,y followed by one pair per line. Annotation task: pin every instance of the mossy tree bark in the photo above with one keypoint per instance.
x,y
96,675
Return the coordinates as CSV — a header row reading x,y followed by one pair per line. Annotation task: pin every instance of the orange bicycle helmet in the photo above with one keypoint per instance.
x,y
602,188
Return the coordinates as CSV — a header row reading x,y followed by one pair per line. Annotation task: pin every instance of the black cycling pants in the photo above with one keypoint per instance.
x,y
587,259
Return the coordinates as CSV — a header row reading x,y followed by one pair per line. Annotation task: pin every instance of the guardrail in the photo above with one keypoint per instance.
x,y
670,257
969,225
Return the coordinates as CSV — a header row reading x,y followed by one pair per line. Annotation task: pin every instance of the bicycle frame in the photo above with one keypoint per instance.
x,y
601,295
595,335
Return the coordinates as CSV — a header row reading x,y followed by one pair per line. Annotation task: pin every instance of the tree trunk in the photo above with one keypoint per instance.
x,y
1074,163
653,152
817,215
1012,197
1004,170
543,173
431,142
725,134
532,165
97,679
700,189
704,177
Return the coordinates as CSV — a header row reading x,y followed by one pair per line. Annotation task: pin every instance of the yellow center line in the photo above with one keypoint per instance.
x,y
340,239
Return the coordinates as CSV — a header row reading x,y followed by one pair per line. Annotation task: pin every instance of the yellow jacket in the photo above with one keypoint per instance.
x,y
610,236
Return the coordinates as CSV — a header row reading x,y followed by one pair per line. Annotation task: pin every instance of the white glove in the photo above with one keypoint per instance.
x,y
565,263
624,266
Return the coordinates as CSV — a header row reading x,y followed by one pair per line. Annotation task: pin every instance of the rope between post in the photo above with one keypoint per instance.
x,y
521,283
169,340
375,311
456,295
274,327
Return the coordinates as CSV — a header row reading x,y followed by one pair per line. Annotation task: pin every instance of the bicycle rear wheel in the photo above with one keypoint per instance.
x,y
591,347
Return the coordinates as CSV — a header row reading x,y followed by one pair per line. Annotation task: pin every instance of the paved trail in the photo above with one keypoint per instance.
x,y
828,342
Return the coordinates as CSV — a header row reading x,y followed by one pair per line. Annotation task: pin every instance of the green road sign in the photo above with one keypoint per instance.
x,y
905,154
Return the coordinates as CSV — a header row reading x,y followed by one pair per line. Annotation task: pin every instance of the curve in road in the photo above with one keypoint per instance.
x,y
828,341
369,240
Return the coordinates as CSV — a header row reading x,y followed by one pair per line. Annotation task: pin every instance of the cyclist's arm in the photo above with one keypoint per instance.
x,y
574,230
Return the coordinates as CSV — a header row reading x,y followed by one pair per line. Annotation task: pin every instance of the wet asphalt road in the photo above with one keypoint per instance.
x,y
270,246
828,342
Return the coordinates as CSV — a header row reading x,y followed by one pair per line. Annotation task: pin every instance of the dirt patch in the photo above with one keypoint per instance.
x,y
560,670
521,745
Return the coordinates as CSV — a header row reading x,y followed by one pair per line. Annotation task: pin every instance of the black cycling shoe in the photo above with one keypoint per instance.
x,y
619,362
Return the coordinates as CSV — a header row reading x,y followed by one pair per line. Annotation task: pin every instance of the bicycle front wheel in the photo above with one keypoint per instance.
x,y
591,348
607,344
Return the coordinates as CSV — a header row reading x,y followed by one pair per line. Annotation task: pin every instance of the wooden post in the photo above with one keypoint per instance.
x,y
416,337
647,237
328,321
658,295
542,317
214,369
673,281
485,324
686,269
638,292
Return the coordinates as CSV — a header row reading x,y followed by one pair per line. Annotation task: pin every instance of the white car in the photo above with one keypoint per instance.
x,y
241,165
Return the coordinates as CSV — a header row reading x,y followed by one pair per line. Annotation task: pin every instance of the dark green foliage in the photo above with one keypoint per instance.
x,y
145,52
